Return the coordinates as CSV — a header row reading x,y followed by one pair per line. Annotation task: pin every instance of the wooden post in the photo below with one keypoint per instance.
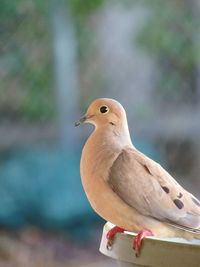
x,y
156,252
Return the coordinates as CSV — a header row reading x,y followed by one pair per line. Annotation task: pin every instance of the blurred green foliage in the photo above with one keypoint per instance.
x,y
82,9
170,35
26,76
81,12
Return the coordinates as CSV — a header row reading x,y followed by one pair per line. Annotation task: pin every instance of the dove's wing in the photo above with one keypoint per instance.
x,y
145,185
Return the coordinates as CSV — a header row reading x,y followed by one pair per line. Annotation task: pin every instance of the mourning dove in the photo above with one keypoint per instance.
x,y
126,187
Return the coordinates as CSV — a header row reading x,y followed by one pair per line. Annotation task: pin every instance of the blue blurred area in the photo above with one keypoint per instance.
x,y
42,186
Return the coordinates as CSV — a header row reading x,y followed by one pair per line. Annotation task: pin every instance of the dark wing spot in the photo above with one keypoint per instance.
x,y
166,189
196,201
147,169
180,195
178,203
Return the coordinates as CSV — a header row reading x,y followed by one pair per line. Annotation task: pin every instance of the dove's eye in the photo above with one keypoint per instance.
x,y
104,109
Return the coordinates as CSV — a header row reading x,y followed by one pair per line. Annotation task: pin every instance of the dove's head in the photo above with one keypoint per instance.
x,y
105,112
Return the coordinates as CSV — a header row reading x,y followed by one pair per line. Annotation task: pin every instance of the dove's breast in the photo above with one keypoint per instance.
x,y
96,160
95,165
98,155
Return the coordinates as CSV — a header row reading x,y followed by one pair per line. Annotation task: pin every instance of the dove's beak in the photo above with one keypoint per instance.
x,y
80,121
83,119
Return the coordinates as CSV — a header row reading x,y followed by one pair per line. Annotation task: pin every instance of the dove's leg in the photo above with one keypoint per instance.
x,y
137,241
111,234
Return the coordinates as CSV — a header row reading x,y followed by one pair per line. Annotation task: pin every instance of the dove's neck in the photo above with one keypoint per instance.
x,y
116,137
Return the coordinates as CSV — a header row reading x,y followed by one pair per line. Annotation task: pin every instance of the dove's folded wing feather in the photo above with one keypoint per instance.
x,y
145,185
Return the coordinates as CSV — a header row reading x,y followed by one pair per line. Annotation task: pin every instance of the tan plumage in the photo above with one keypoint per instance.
x,y
126,187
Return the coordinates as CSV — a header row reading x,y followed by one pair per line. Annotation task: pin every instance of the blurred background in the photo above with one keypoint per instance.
x,y
57,56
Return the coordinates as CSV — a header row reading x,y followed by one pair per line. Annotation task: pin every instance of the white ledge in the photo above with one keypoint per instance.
x,y
155,252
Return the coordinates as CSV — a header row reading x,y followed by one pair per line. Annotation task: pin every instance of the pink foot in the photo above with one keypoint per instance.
x,y
137,241
111,234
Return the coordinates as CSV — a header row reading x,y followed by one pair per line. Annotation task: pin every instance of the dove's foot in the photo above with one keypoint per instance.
x,y
111,234
137,241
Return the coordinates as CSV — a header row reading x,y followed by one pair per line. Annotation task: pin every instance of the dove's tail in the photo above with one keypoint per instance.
x,y
190,233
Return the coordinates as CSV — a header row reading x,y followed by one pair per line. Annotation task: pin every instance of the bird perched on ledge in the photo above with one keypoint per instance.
x,y
126,187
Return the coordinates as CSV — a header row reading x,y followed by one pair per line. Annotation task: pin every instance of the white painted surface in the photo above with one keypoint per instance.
x,y
155,252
